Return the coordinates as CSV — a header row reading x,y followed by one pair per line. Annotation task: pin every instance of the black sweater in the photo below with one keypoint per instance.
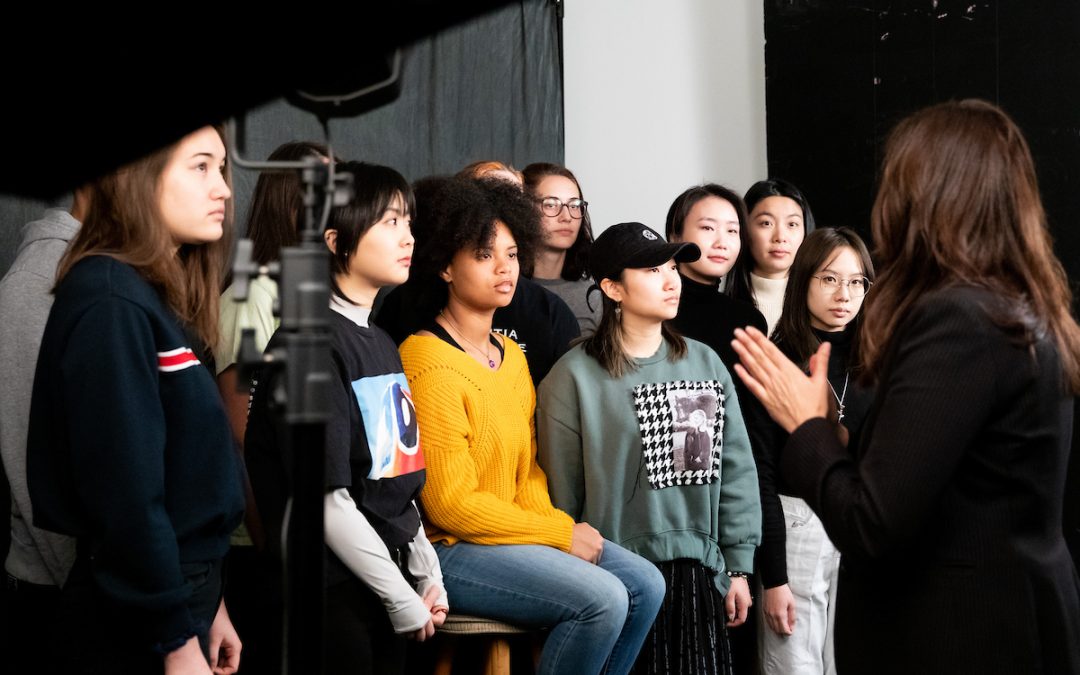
x,y
129,449
768,439
708,316
947,509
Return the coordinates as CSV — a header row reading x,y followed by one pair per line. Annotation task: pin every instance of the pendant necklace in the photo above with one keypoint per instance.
x,y
840,398
485,352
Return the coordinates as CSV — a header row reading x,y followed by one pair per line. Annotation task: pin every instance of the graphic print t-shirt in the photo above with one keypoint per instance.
x,y
372,440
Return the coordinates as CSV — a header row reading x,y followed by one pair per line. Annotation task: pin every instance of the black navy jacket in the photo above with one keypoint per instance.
x,y
129,449
949,512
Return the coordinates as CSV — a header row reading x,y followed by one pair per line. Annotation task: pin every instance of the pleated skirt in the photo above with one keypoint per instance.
x,y
690,635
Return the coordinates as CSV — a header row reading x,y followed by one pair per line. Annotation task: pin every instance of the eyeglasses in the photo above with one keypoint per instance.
x,y
857,286
553,206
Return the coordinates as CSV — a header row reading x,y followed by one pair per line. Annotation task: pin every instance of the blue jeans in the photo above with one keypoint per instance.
x,y
598,615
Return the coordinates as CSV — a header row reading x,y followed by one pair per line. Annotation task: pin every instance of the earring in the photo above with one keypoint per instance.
x,y
618,309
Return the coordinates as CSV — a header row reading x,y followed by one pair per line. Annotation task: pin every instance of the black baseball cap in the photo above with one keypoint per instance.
x,y
634,246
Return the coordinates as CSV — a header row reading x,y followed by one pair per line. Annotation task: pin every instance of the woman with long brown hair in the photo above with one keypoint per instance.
x,y
129,448
947,508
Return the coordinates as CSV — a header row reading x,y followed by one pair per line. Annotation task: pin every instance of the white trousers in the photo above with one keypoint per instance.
x,y
813,564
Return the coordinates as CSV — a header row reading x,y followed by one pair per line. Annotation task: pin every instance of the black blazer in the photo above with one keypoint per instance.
x,y
949,512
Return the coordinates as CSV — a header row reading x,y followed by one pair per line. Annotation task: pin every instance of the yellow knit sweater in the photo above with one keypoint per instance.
x,y
478,434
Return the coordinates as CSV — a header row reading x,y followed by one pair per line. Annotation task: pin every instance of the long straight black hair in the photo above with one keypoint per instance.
x,y
738,279
793,330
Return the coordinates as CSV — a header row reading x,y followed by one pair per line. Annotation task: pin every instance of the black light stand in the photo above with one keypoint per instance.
x,y
299,367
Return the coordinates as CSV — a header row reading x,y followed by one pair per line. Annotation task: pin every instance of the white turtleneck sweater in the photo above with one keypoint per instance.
x,y
769,298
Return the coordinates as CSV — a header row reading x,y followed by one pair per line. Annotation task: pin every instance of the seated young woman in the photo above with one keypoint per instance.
x,y
383,583
507,553
640,433
538,320
563,253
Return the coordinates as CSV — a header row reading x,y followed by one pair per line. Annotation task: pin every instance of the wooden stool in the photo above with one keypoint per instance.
x,y
493,634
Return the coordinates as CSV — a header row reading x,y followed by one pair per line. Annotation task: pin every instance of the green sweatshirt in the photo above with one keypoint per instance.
x,y
658,460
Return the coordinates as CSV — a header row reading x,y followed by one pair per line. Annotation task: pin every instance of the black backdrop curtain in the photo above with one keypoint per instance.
x,y
839,75
489,88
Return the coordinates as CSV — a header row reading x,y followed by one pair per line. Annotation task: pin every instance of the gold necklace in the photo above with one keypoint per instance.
x,y
453,324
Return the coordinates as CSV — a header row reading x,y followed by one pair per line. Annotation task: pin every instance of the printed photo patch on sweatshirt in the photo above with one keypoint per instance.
x,y
682,431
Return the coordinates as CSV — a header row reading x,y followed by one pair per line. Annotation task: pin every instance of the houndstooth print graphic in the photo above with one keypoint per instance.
x,y
673,418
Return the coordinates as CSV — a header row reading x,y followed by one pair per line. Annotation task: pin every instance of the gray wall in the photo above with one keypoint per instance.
x,y
662,96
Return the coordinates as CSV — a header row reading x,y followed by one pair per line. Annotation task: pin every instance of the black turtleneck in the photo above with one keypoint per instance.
x,y
767,439
858,399
708,316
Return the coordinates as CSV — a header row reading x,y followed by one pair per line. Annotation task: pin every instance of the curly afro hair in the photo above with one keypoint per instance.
x,y
456,213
